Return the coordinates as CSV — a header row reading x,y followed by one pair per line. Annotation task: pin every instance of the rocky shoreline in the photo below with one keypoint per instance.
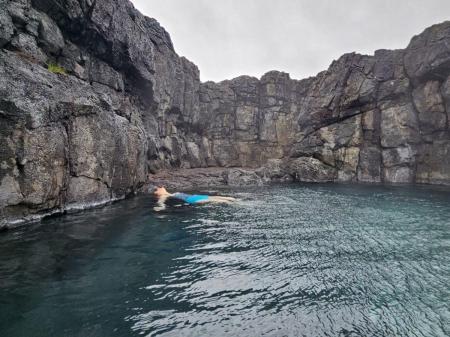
x,y
210,177
95,101
189,180
274,171
6,224
176,179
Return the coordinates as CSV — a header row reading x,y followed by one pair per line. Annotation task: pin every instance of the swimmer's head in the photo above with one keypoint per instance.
x,y
160,191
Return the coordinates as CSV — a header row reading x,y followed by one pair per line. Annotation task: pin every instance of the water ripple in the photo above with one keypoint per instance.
x,y
315,263
310,260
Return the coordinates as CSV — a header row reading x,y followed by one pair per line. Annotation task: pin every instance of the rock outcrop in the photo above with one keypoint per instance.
x,y
94,98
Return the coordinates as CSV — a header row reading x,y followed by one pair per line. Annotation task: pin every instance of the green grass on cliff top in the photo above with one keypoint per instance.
x,y
56,69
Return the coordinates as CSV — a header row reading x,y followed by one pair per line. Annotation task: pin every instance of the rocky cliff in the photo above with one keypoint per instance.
x,y
93,98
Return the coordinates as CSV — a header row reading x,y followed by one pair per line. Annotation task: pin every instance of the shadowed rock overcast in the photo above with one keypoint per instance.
x,y
95,105
231,38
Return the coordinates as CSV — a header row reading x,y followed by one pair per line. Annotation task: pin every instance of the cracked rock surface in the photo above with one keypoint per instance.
x,y
126,107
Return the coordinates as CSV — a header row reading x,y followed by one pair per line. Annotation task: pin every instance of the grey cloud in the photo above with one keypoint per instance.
x,y
229,38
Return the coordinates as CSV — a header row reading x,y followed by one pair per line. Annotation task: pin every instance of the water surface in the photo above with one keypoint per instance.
x,y
288,260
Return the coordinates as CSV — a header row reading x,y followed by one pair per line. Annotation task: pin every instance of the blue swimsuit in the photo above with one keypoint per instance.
x,y
190,198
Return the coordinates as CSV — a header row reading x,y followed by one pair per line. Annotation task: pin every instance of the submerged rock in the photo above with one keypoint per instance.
x,y
93,99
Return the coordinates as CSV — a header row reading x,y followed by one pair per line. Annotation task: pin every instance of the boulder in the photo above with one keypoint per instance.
x,y
275,170
241,177
309,169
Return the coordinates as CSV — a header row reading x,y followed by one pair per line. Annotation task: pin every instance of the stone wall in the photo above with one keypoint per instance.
x,y
127,105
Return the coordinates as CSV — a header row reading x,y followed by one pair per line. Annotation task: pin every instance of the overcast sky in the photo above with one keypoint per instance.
x,y
228,38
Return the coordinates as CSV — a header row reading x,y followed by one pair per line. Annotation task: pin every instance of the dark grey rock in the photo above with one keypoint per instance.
x,y
369,169
309,169
6,25
241,177
27,45
399,126
433,163
398,156
102,73
275,170
428,54
49,34
129,109
446,96
399,174
430,106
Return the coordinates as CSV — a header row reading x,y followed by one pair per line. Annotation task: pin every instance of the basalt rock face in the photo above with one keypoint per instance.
x,y
89,135
127,106
380,118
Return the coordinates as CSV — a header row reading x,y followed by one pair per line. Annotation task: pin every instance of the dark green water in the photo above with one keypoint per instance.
x,y
294,260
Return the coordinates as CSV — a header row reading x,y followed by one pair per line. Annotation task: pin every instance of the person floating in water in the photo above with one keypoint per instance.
x,y
162,194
